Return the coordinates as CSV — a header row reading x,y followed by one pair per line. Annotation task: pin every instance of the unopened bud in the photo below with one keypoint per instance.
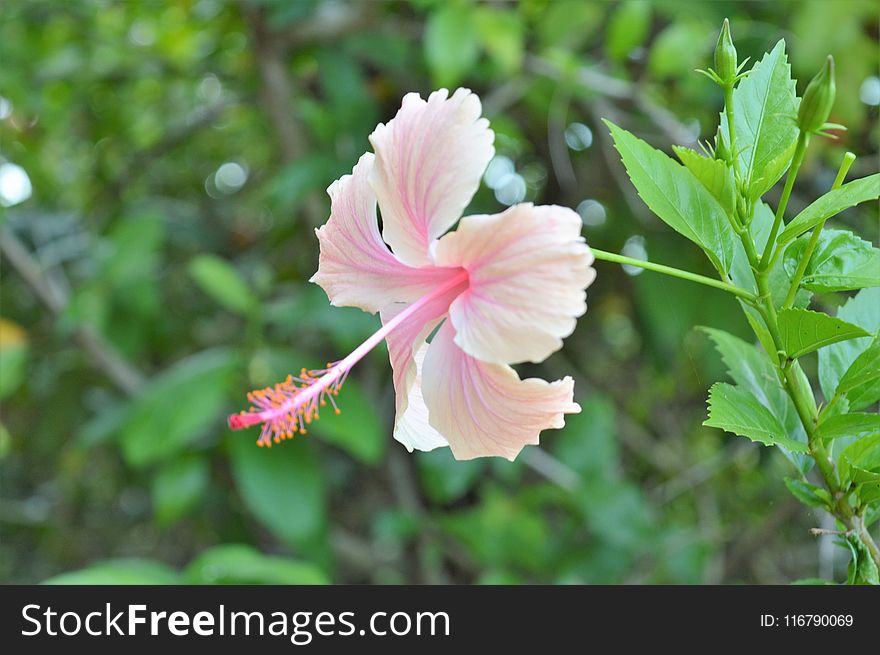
x,y
725,56
818,99
722,151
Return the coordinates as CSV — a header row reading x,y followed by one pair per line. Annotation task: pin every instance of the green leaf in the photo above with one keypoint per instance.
x,y
863,310
860,461
848,425
283,487
862,568
803,331
628,28
861,382
841,261
736,410
240,564
177,406
178,487
832,203
714,174
865,368
356,428
807,493
671,192
764,110
753,371
501,32
119,572
219,279
451,43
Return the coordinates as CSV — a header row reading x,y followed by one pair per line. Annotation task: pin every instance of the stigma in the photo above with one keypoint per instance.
x,y
289,407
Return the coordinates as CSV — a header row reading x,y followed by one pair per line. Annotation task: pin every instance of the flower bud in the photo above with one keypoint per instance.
x,y
722,151
818,99
725,56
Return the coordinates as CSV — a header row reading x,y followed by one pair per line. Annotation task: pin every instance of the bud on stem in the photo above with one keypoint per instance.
x,y
725,57
818,99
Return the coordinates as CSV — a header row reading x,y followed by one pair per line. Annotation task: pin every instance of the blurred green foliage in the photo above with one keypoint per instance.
x,y
177,155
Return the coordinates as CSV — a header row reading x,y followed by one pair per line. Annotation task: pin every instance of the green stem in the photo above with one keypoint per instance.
x,y
674,272
797,160
787,368
848,160
841,508
728,111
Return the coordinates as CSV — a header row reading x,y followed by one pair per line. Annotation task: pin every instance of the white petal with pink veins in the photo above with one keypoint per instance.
x,y
429,161
485,409
406,349
528,269
355,267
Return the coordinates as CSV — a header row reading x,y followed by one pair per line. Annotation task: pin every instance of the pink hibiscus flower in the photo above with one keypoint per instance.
x,y
501,289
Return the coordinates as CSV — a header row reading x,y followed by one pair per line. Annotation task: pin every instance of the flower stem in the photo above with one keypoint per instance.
x,y
797,160
848,160
805,407
674,272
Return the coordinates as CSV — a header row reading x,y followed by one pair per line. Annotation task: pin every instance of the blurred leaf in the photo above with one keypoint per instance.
x,y
841,261
309,310
282,487
673,194
736,410
239,564
451,43
293,183
831,204
803,331
13,357
502,531
119,572
501,33
588,442
178,487
616,511
567,24
444,479
356,429
809,494
176,407
220,280
104,425
764,108
134,251
677,49
628,28
863,310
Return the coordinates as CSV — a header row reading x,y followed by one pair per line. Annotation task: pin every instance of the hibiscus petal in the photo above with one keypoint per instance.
x,y
528,269
429,160
406,349
355,266
485,409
